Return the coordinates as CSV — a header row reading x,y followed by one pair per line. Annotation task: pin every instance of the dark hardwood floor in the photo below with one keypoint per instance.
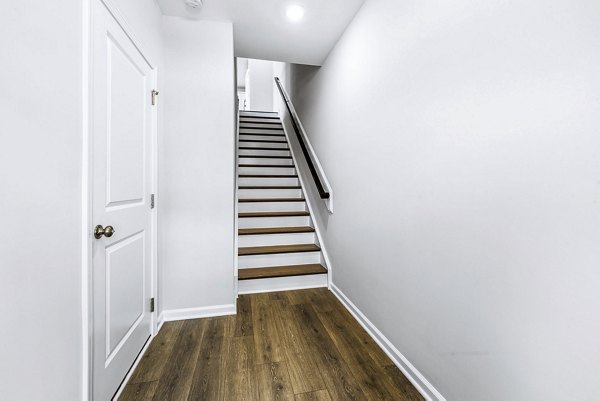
x,y
283,346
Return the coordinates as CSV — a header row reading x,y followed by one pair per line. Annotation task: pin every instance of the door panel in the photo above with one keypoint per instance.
x,y
127,97
121,128
124,289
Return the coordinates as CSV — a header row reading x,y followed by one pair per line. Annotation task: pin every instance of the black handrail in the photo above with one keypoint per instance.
x,y
313,171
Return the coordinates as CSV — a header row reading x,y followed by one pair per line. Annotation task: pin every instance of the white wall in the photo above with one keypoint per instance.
x,y
40,201
241,72
461,138
259,89
197,165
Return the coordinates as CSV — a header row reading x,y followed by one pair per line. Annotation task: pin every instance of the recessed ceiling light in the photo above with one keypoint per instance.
x,y
295,13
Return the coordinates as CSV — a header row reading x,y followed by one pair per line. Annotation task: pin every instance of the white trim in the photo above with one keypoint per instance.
x,y
198,313
236,220
154,211
86,251
113,9
308,200
160,322
133,367
407,368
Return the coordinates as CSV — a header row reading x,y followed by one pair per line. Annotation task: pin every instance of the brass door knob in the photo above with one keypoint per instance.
x,y
107,232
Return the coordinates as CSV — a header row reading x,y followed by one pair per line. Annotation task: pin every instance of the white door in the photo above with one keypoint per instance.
x,y
121,118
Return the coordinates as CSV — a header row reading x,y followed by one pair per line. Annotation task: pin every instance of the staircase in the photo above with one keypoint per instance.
x,y
278,247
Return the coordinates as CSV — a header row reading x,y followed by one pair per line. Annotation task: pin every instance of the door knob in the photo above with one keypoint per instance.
x,y
107,232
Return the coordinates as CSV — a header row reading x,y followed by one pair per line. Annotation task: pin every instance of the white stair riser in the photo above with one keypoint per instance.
x,y
268,181
282,283
269,193
266,222
256,160
267,170
244,119
280,259
256,152
244,207
278,145
259,113
276,239
251,137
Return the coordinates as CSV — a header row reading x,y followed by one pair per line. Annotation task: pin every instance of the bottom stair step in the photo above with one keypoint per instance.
x,y
281,271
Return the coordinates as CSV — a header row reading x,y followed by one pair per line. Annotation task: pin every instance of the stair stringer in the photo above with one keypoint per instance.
x,y
309,203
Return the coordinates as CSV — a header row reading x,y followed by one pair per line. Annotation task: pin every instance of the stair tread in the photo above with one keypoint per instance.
x,y
281,271
270,187
263,125
271,200
273,214
260,141
268,176
264,128
275,230
270,117
264,157
260,122
261,148
274,249
261,134
267,112
268,165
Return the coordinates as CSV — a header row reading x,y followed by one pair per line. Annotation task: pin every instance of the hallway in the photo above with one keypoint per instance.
x,y
294,345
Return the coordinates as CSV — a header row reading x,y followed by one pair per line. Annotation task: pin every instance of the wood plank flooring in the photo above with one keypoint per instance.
x,y
281,346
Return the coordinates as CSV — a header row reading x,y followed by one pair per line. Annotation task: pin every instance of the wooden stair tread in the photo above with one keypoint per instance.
x,y
268,165
275,230
266,116
268,176
264,157
275,249
281,271
265,128
252,200
262,134
273,214
260,122
270,187
261,141
261,148
264,124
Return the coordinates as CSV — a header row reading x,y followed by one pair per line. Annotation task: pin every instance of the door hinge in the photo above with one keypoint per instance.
x,y
151,304
154,95
152,201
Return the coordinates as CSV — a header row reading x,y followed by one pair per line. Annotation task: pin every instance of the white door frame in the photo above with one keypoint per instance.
x,y
87,224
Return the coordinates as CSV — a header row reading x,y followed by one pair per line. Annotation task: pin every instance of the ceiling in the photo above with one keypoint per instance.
x,y
262,31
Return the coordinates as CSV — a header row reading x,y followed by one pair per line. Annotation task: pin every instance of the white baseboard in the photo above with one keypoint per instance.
x,y
415,377
197,313
160,322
